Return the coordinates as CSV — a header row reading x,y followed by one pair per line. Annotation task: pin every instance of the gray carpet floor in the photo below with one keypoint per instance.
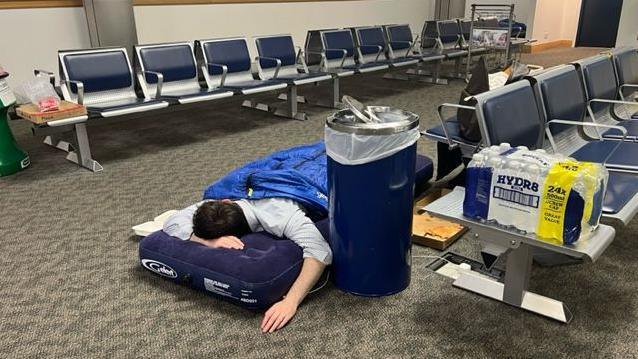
x,y
71,285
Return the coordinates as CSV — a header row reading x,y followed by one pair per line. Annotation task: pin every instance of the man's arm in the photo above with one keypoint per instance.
x,y
285,218
281,312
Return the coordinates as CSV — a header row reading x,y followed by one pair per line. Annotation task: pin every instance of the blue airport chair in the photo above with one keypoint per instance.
x,y
176,63
626,66
373,48
280,61
339,51
602,88
226,63
102,80
403,43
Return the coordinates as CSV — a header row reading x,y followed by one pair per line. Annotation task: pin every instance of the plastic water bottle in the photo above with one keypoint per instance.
x,y
472,175
484,185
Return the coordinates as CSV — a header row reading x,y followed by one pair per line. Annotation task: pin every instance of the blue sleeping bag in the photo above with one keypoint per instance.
x,y
262,273
298,173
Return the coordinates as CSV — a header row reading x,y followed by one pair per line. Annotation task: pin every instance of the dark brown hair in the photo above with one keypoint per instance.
x,y
214,219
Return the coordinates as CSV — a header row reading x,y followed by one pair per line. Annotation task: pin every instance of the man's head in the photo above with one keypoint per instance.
x,y
214,219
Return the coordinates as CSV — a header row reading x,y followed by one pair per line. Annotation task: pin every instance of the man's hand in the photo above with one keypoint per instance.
x,y
278,315
230,242
281,312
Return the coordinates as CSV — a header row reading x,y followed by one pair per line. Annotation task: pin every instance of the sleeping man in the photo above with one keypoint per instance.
x,y
220,224
278,194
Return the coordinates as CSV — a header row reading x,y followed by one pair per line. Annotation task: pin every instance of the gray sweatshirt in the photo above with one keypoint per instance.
x,y
278,216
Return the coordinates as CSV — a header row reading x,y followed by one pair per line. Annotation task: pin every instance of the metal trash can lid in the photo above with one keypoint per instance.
x,y
371,120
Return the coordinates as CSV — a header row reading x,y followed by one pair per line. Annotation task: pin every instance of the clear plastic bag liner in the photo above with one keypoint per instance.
x,y
353,149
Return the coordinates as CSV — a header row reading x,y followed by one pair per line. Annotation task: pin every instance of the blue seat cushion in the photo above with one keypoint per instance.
x,y
120,105
277,47
631,126
595,151
453,129
99,71
513,116
233,53
424,170
600,80
625,156
175,62
255,277
613,154
370,39
621,188
338,40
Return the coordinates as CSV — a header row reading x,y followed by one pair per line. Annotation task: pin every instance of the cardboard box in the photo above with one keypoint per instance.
x,y
425,228
432,231
66,109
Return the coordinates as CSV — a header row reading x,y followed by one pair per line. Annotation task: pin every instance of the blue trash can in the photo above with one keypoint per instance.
x,y
371,190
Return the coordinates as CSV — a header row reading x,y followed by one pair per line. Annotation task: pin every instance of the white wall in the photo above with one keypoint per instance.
x,y
628,27
571,16
523,9
30,38
36,35
556,20
190,22
548,20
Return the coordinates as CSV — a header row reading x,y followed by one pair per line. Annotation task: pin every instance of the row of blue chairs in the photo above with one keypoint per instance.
x,y
104,79
585,109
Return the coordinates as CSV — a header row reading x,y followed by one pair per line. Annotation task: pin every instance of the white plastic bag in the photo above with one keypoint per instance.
x,y
40,92
352,149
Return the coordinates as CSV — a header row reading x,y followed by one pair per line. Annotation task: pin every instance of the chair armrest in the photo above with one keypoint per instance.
x,y
224,69
613,102
323,57
49,74
79,85
582,124
377,47
344,53
159,84
409,43
439,112
276,61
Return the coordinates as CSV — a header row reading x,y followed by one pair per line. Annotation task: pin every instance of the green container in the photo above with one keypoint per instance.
x,y
12,158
